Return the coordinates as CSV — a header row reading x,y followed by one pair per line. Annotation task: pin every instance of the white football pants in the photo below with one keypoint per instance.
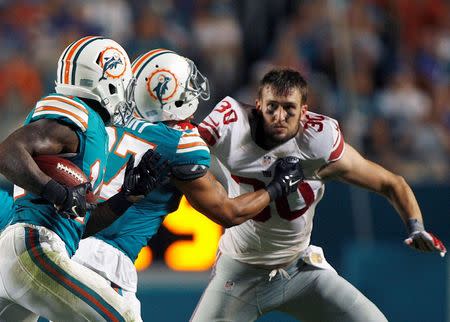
x,y
113,265
240,292
37,278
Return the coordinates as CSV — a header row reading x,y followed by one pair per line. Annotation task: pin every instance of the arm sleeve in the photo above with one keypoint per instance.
x,y
192,158
215,126
338,146
325,142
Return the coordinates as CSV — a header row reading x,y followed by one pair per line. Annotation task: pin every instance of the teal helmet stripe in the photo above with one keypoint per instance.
x,y
150,59
74,62
63,59
136,60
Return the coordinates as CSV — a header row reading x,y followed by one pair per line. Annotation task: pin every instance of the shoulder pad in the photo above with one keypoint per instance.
x,y
325,139
191,141
221,120
62,107
139,125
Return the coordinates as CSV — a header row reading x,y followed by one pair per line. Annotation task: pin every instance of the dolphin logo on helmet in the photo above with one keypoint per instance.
x,y
111,63
168,86
161,88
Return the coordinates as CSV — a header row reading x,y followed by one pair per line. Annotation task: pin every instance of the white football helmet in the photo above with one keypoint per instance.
x,y
168,86
97,68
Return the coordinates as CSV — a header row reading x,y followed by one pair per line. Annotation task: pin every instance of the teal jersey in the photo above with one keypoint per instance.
x,y
141,221
6,210
91,158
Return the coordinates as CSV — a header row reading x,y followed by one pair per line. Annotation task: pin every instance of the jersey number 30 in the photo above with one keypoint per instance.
x,y
282,203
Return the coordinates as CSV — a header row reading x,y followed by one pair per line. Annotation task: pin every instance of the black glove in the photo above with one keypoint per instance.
x,y
69,201
146,176
288,174
138,181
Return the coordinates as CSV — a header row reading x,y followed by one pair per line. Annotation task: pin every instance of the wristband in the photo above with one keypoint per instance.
x,y
274,191
54,192
413,225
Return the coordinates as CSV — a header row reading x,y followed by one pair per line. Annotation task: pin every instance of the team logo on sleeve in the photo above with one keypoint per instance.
x,y
113,63
162,85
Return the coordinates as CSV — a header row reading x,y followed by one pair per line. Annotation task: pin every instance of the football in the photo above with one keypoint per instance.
x,y
64,172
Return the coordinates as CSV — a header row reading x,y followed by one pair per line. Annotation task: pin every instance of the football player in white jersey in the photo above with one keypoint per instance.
x,y
267,263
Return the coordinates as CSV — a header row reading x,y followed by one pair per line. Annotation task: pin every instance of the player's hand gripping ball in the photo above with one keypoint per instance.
x,y
79,195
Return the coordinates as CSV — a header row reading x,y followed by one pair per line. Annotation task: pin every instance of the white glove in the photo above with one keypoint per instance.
x,y
422,240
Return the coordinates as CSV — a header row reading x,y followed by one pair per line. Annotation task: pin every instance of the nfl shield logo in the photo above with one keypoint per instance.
x,y
229,285
266,161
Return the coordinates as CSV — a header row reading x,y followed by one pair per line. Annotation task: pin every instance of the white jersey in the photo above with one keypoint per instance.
x,y
283,230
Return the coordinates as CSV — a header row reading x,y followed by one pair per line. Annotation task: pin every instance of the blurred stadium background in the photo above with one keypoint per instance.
x,y
381,67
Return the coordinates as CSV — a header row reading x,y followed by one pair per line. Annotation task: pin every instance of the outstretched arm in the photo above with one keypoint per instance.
x,y
209,197
353,168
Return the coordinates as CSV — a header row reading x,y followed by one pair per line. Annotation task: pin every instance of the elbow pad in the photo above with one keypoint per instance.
x,y
188,172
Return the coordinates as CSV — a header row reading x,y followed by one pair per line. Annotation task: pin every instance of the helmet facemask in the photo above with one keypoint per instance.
x,y
124,110
197,84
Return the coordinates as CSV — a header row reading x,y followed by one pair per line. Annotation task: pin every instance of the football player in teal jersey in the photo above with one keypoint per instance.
x,y
6,211
37,276
168,89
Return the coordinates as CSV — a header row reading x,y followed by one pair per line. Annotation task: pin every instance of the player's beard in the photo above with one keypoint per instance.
x,y
264,135
273,139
